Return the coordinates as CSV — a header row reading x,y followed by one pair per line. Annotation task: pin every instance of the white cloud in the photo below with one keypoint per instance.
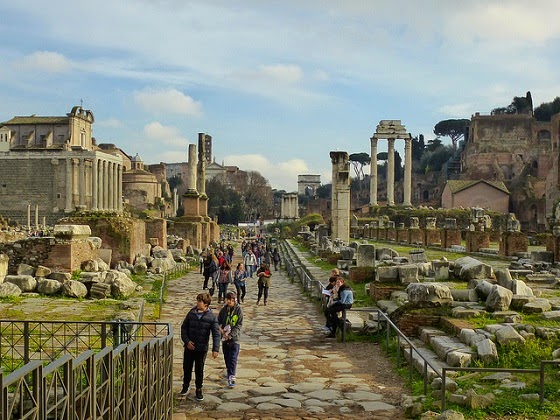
x,y
46,61
168,101
166,134
110,123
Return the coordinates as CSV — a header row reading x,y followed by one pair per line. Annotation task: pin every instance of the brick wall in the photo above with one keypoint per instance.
x,y
157,228
408,323
513,242
378,292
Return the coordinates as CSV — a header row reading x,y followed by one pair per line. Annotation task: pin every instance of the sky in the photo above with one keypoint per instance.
x,y
277,84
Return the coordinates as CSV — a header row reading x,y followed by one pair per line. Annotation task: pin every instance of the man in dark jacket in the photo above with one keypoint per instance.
x,y
195,334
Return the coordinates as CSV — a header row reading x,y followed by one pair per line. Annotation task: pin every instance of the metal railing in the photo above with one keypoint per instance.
x,y
442,372
109,370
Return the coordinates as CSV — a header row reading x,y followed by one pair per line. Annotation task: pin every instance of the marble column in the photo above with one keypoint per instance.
x,y
101,186
105,185
115,187
192,166
94,186
69,185
36,216
110,186
391,173
28,217
373,173
407,172
119,190
82,190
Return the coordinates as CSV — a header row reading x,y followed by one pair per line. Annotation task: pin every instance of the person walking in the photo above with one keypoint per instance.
x,y
210,268
275,258
263,282
239,279
196,328
225,277
250,262
230,320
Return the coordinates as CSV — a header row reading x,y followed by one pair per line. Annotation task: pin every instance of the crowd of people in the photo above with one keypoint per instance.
x,y
201,324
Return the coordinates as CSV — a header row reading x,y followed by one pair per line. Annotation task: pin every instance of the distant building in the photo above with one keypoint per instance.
x,y
491,195
53,163
308,184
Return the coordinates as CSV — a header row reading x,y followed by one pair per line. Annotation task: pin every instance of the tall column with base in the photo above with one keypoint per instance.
x,y
373,173
407,171
391,173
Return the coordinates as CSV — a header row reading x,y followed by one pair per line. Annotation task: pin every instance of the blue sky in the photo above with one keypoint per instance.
x,y
277,84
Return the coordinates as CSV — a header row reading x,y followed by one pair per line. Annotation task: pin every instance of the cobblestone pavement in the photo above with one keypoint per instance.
x,y
287,368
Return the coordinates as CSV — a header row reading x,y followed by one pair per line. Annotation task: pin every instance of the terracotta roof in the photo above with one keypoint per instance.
x,y
458,185
36,120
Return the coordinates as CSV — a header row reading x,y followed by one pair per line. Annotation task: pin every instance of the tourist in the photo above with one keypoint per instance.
x,y
329,294
275,258
250,262
239,279
267,257
210,268
263,282
344,300
224,278
199,323
230,320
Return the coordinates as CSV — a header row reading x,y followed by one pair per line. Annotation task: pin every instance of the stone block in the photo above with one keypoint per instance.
x,y
72,231
486,350
8,289
74,288
25,270
508,335
537,306
464,295
408,273
24,282
365,256
468,268
499,298
48,286
387,274
429,292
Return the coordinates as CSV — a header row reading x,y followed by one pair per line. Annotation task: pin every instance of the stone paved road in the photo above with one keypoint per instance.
x,y
287,368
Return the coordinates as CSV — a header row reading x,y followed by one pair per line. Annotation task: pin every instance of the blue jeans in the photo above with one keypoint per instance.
x,y
222,290
231,354
250,270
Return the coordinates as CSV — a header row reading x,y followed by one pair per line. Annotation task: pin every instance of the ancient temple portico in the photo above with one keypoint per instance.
x,y
391,130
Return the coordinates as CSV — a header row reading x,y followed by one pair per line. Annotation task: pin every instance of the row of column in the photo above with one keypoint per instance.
x,y
96,178
391,172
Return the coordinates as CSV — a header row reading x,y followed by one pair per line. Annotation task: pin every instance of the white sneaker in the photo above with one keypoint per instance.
x,y
326,329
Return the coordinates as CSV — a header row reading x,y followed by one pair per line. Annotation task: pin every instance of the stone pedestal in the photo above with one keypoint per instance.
x,y
450,237
513,242
476,240
415,237
402,235
191,208
391,234
431,237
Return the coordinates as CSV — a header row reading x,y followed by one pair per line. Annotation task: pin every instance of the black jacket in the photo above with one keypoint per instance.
x,y
232,317
198,330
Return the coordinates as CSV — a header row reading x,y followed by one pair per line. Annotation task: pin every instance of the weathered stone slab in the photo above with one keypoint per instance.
x,y
365,256
25,270
387,274
74,288
429,292
408,273
24,282
551,315
48,286
486,350
467,268
72,231
508,335
499,298
9,290
464,295
537,306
